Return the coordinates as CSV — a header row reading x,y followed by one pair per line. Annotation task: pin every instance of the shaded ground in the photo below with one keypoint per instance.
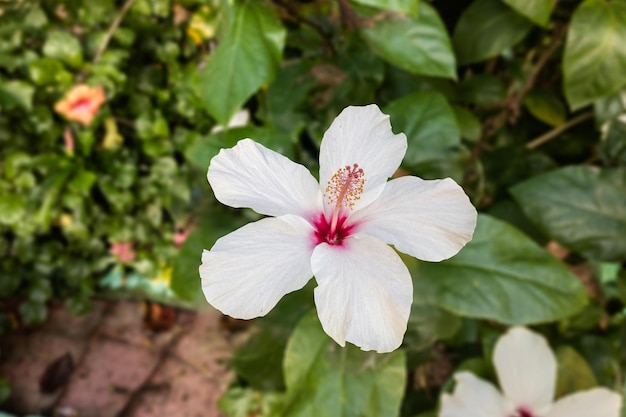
x,y
125,359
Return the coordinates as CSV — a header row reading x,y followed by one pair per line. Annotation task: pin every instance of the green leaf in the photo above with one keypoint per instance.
x,y
427,324
612,147
258,361
203,148
5,389
429,124
12,208
409,7
545,106
324,379
247,57
583,208
595,55
501,275
16,93
609,107
573,373
485,29
46,71
482,89
536,10
185,277
469,125
63,46
419,45
245,402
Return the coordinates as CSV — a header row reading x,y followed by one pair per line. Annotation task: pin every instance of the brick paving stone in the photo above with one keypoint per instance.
x,y
63,323
109,374
121,366
180,390
24,359
126,323
204,346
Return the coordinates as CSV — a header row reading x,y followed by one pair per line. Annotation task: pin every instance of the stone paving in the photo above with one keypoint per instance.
x,y
118,361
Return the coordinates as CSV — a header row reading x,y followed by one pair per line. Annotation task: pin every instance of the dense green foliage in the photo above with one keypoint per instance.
x,y
522,102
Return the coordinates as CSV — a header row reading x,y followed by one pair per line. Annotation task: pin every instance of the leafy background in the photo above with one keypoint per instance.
x,y
522,102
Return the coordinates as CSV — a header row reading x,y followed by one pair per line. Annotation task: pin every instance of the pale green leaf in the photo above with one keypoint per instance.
x,y
63,46
16,93
409,7
501,275
581,207
536,10
594,62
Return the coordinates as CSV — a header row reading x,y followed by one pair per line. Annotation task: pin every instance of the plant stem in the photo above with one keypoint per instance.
x,y
116,23
558,130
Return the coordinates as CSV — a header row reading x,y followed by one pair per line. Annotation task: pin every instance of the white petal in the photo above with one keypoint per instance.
x,y
526,368
362,135
430,220
249,270
597,402
364,294
472,397
239,119
250,175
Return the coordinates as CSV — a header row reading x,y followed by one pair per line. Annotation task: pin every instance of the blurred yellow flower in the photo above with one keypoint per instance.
x,y
81,103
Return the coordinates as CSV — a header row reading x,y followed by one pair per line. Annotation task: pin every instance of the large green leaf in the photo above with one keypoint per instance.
x,y
247,57
594,63
501,275
429,124
324,379
409,7
536,10
419,45
486,28
581,207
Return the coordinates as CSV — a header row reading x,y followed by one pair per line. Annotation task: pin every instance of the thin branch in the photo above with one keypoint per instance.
x,y
558,130
511,106
348,16
116,23
516,99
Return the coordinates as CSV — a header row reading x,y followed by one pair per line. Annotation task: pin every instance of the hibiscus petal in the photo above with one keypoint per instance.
x,y
250,175
526,368
362,135
430,220
249,270
472,397
597,402
364,294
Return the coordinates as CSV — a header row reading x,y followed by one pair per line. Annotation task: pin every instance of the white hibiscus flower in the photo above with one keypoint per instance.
x,y
338,231
526,369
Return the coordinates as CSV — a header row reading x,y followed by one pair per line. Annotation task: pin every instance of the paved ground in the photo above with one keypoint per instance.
x,y
118,361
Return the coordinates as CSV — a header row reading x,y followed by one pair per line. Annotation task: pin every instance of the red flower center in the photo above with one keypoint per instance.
x,y
331,232
522,412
